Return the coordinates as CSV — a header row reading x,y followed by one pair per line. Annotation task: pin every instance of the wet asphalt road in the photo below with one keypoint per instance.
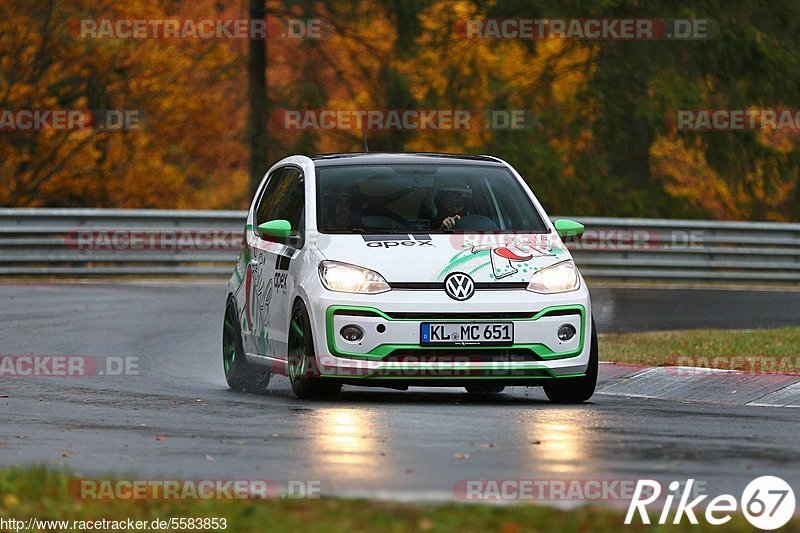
x,y
623,309
176,418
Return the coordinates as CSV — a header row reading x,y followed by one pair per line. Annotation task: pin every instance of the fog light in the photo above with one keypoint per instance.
x,y
352,333
566,332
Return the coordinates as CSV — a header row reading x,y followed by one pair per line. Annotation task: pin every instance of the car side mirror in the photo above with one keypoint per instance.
x,y
568,228
276,228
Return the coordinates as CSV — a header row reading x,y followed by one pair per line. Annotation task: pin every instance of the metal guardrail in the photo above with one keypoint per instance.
x,y
83,242
689,250
92,242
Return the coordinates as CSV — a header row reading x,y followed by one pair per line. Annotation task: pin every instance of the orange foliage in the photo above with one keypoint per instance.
x,y
688,177
190,149
187,151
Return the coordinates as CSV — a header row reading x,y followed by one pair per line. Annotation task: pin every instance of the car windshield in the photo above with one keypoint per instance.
x,y
426,197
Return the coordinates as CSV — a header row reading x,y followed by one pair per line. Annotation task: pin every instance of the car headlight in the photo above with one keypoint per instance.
x,y
343,277
561,277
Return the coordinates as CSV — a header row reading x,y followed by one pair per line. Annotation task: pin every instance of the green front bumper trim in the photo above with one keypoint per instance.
x,y
399,374
382,350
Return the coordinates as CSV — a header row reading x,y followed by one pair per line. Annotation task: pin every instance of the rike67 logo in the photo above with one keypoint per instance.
x,y
767,502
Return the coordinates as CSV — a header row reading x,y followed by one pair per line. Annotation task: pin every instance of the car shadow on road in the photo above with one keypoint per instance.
x,y
440,396
355,395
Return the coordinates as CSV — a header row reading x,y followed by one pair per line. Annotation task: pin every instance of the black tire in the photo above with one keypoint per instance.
x,y
485,389
240,375
303,370
577,390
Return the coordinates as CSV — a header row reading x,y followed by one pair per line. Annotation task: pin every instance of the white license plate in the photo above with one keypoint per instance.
x,y
466,333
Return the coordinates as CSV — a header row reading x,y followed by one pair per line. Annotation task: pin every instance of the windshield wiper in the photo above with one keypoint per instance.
x,y
391,231
375,231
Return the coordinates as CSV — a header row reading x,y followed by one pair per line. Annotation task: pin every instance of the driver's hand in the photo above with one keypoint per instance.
x,y
450,222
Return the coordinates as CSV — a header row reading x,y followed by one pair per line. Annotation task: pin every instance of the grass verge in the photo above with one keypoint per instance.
x,y
755,350
44,494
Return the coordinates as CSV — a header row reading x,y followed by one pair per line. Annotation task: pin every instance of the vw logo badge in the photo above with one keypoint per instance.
x,y
459,286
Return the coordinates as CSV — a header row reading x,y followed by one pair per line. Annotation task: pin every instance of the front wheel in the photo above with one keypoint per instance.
x,y
577,390
240,375
303,372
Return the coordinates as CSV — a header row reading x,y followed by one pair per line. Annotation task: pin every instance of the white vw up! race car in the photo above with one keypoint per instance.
x,y
400,270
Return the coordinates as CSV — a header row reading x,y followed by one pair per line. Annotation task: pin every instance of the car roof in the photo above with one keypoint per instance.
x,y
395,158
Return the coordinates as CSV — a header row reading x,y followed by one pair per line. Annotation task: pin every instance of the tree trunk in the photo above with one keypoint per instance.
x,y
257,134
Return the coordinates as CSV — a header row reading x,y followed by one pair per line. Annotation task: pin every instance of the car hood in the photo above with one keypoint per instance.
x,y
424,257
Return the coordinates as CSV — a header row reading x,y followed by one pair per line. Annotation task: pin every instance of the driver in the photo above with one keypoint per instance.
x,y
452,202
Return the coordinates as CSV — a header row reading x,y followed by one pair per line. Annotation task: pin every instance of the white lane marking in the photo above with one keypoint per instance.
x,y
780,398
663,384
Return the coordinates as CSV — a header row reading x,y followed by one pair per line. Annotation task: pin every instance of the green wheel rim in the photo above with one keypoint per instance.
x,y
228,342
297,355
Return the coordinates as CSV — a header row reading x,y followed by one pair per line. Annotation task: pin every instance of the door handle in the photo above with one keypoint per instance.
x,y
254,262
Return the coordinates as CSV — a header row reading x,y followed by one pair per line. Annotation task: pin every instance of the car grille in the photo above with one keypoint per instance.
x,y
462,316
432,317
460,355
479,286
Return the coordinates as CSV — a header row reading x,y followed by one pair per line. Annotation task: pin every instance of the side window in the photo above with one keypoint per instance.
x,y
268,197
284,198
290,204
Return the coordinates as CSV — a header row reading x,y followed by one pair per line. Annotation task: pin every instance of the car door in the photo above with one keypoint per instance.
x,y
291,207
259,290
268,281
